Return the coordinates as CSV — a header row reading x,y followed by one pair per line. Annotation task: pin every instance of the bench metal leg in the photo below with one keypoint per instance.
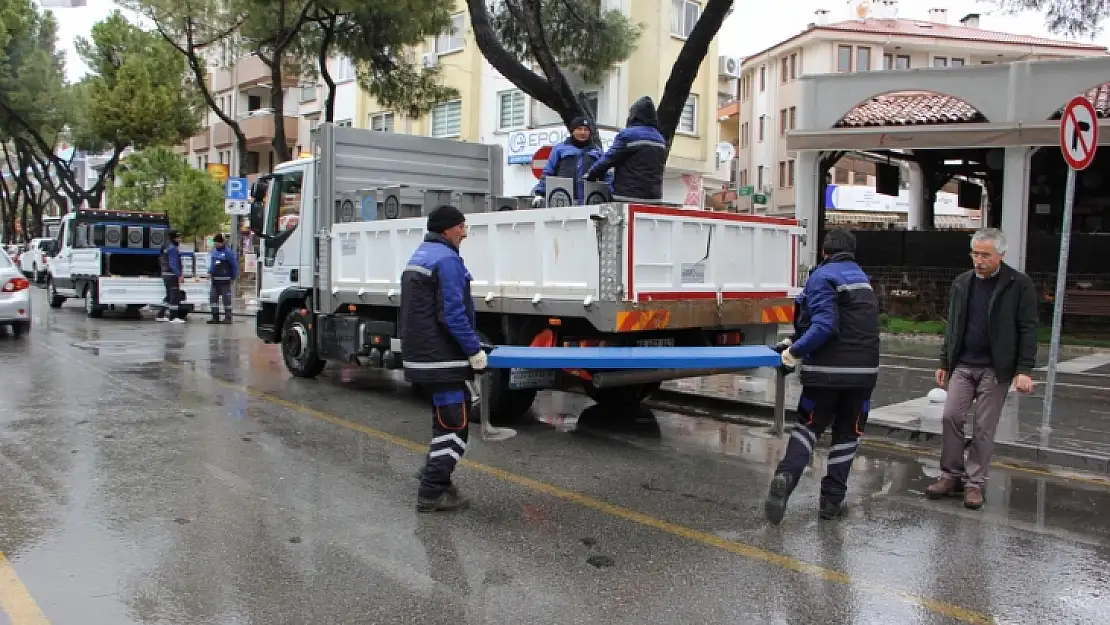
x,y
779,426
489,432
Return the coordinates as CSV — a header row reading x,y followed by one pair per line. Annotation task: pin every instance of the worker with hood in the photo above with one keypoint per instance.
x,y
571,159
637,157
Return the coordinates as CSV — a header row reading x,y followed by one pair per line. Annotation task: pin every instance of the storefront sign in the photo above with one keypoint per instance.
x,y
522,144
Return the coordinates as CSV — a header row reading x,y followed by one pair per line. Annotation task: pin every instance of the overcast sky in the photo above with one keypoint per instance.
x,y
753,26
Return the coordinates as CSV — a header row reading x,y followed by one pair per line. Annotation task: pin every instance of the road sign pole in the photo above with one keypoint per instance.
x,y
1058,303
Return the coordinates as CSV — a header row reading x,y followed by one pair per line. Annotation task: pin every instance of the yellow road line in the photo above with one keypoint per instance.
x,y
748,551
15,600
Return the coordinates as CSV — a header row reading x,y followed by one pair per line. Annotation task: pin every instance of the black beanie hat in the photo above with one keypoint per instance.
x,y
444,218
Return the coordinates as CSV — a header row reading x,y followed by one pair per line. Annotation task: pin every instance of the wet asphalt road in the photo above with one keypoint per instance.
x,y
177,475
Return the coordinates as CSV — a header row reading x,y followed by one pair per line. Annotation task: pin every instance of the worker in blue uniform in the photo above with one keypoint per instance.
x,y
836,340
571,159
637,157
223,269
169,261
441,350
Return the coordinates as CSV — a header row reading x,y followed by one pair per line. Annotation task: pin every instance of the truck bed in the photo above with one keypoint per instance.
x,y
131,262
624,266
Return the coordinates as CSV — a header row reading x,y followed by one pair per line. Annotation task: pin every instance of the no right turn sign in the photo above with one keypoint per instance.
x,y
1079,133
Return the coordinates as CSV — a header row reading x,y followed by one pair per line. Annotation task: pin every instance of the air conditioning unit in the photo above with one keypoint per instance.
x,y
429,60
498,204
113,236
560,192
156,238
768,189
136,236
390,206
434,198
729,67
596,193
348,206
473,203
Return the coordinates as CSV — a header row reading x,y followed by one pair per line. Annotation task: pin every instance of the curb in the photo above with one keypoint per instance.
x,y
761,415
937,340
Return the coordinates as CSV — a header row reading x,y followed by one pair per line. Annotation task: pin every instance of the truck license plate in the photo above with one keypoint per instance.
x,y
532,378
655,342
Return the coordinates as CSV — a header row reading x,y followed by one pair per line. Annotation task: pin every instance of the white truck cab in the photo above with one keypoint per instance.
x,y
111,260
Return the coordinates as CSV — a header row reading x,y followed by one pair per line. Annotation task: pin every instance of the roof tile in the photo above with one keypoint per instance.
x,y
924,28
911,109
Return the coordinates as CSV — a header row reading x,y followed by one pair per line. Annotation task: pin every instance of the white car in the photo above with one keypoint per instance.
x,y
33,262
15,297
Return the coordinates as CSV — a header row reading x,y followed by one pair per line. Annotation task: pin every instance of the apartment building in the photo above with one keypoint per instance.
x,y
870,37
490,109
242,88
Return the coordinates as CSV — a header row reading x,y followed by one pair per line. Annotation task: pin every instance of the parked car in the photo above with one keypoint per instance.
x,y
15,297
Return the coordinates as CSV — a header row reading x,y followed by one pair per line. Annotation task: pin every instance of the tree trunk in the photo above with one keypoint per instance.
x,y
322,60
277,103
686,66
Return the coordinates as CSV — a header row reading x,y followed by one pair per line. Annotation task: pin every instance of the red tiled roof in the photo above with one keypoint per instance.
x,y
911,109
924,108
936,30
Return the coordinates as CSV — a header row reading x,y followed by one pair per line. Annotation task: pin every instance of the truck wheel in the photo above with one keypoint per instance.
x,y
298,348
629,396
508,405
93,309
56,300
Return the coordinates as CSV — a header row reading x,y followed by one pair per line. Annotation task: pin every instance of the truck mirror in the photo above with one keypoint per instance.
x,y
256,217
258,189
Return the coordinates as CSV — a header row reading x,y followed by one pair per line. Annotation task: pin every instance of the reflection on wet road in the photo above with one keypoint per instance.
x,y
155,474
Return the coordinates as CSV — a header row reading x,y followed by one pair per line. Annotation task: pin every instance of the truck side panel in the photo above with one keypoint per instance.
x,y
352,159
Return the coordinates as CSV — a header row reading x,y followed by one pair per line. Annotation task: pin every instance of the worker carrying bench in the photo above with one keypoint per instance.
x,y
619,366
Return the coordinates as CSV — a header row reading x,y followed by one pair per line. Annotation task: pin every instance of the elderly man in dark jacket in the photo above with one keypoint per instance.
x,y
638,156
441,350
991,342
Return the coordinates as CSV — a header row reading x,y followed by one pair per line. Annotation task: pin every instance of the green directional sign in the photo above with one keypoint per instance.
x,y
747,190
759,198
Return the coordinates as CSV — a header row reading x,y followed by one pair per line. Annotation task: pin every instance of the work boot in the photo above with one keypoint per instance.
x,y
830,510
451,488
448,501
215,317
944,487
227,316
973,497
775,506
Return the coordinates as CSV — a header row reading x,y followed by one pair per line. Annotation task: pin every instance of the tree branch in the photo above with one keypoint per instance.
x,y
569,107
685,68
327,24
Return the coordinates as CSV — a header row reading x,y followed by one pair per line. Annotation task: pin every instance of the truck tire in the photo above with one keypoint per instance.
x,y
92,308
630,396
56,300
298,348
508,405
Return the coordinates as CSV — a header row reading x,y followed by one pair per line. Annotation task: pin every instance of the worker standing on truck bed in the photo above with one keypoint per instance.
x,y
637,157
223,267
170,261
571,159
836,336
441,350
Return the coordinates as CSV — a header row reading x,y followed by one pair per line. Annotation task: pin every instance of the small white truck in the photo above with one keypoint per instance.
x,y
339,228
111,260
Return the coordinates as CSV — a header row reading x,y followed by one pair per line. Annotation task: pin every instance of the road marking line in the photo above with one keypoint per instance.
x,y
1067,384
748,551
1080,364
15,600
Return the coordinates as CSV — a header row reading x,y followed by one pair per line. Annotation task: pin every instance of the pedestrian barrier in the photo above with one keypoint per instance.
x,y
618,366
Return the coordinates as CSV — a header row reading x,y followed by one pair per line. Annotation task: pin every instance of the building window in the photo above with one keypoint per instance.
x,y
342,69
790,173
793,117
684,14
863,59
744,136
785,69
956,62
762,78
782,122
511,107
688,122
447,119
452,41
888,61
344,123
844,59
759,177
782,174
902,61
793,66
940,61
762,126
593,100
840,175
381,122
308,93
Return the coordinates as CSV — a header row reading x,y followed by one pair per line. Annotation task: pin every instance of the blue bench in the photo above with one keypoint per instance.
x,y
633,365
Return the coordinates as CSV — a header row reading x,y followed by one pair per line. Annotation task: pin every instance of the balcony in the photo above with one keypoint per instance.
x,y
258,127
249,71
200,142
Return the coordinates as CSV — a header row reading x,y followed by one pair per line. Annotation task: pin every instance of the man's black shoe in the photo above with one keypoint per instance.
x,y
448,501
775,506
830,510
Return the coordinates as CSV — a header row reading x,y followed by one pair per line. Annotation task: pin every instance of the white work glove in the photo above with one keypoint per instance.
x,y
783,345
537,202
479,361
788,359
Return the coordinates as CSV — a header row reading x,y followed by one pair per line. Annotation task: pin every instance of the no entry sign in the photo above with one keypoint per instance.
x,y
1079,133
539,161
